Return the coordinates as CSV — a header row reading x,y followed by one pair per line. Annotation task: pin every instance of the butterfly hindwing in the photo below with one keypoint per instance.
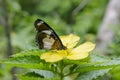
x,y
46,37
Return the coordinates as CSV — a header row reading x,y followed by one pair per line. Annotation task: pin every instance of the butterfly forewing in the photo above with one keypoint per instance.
x,y
46,37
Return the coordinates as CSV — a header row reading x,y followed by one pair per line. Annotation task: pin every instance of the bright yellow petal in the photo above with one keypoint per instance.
x,y
69,40
84,48
77,56
53,56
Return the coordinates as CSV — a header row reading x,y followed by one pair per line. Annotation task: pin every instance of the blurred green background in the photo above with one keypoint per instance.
x,y
61,15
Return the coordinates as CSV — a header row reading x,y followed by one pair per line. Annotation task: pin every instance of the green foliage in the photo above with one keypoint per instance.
x,y
27,58
30,78
34,78
4,72
13,6
19,39
114,49
86,70
115,73
33,74
43,73
58,14
92,74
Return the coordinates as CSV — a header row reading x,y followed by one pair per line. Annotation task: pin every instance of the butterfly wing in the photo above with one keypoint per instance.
x,y
46,37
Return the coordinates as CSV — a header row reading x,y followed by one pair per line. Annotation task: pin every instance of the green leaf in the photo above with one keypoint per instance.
x,y
27,59
30,78
33,74
67,69
25,62
92,74
85,67
95,57
94,62
45,73
36,52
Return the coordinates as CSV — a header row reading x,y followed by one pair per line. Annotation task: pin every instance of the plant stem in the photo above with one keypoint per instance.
x,y
8,36
7,29
60,70
61,77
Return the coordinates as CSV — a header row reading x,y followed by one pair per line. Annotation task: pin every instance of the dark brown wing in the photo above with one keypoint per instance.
x,y
46,37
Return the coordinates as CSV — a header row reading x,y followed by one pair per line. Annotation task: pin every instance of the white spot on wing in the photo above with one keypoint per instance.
x,y
41,22
48,42
47,31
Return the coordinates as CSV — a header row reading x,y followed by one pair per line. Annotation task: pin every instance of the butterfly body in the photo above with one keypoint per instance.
x,y
46,37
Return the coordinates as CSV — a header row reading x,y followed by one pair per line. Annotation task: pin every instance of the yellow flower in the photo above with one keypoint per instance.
x,y
70,53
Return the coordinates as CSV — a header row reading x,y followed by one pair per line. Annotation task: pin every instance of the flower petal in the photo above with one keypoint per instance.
x,y
53,56
84,48
77,56
69,40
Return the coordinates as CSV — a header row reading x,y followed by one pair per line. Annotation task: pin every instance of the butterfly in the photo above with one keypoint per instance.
x,y
46,37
